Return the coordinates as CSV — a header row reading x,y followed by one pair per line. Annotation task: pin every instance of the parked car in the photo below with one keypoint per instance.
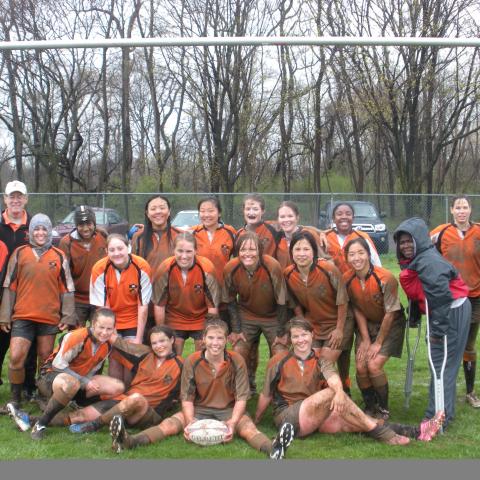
x,y
186,219
107,218
367,219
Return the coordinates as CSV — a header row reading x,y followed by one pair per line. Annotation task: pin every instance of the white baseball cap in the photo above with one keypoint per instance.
x,y
15,186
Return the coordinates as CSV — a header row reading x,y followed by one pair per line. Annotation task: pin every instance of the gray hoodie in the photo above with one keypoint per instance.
x,y
433,271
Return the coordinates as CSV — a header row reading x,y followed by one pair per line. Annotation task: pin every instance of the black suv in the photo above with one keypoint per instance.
x,y
367,219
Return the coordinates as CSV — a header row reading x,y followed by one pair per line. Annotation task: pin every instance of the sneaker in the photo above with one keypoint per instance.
x,y
21,418
282,441
381,413
85,427
38,431
429,428
119,434
4,408
472,399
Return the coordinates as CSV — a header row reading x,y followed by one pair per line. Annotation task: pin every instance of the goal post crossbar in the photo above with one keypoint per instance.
x,y
246,41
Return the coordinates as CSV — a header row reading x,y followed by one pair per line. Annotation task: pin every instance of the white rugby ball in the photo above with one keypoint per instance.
x,y
207,432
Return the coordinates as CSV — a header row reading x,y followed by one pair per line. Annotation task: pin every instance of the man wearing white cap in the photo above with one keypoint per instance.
x,y
14,222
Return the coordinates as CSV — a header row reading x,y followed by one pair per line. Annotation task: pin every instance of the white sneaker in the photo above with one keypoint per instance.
x,y
472,399
21,418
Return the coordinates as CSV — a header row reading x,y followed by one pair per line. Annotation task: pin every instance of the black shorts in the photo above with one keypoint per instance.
x,y
45,387
105,405
127,333
290,414
84,313
184,334
30,329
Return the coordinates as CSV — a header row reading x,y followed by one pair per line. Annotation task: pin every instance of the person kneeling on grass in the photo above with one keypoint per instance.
x,y
307,392
214,385
69,373
155,387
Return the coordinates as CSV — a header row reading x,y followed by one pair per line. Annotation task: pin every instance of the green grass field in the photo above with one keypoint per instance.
x,y
461,441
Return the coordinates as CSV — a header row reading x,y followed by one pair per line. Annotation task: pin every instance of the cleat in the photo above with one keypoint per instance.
x,y
381,413
38,431
118,433
430,428
85,427
21,418
282,441
472,399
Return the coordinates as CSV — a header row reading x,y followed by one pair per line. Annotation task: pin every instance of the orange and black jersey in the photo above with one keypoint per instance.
x,y
162,246
160,385
336,243
186,301
319,296
207,387
3,260
376,295
14,235
282,253
257,293
78,354
41,287
462,249
217,247
123,291
82,256
268,235
289,379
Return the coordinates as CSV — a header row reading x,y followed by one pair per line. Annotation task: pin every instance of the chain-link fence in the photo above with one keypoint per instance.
x,y
314,208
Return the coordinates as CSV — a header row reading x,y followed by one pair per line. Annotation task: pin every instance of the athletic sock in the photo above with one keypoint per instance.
x,y
261,442
106,418
152,434
469,368
380,384
343,364
16,392
410,431
369,398
16,377
57,402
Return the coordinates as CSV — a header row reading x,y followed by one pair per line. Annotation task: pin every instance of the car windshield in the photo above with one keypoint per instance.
x,y
365,210
100,217
186,218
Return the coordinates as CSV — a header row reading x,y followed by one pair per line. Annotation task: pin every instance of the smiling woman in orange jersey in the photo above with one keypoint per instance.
x,y
459,243
317,291
184,291
72,370
337,237
154,242
122,281
254,290
37,299
373,293
215,240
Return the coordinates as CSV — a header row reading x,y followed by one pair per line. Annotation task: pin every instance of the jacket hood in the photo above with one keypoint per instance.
x,y
420,233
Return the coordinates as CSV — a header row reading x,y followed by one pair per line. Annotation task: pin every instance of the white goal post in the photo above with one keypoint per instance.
x,y
250,41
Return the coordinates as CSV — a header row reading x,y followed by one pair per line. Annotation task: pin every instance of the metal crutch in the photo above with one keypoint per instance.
x,y
411,356
437,381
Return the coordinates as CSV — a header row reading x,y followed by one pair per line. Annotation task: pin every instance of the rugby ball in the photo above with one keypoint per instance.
x,y
207,432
